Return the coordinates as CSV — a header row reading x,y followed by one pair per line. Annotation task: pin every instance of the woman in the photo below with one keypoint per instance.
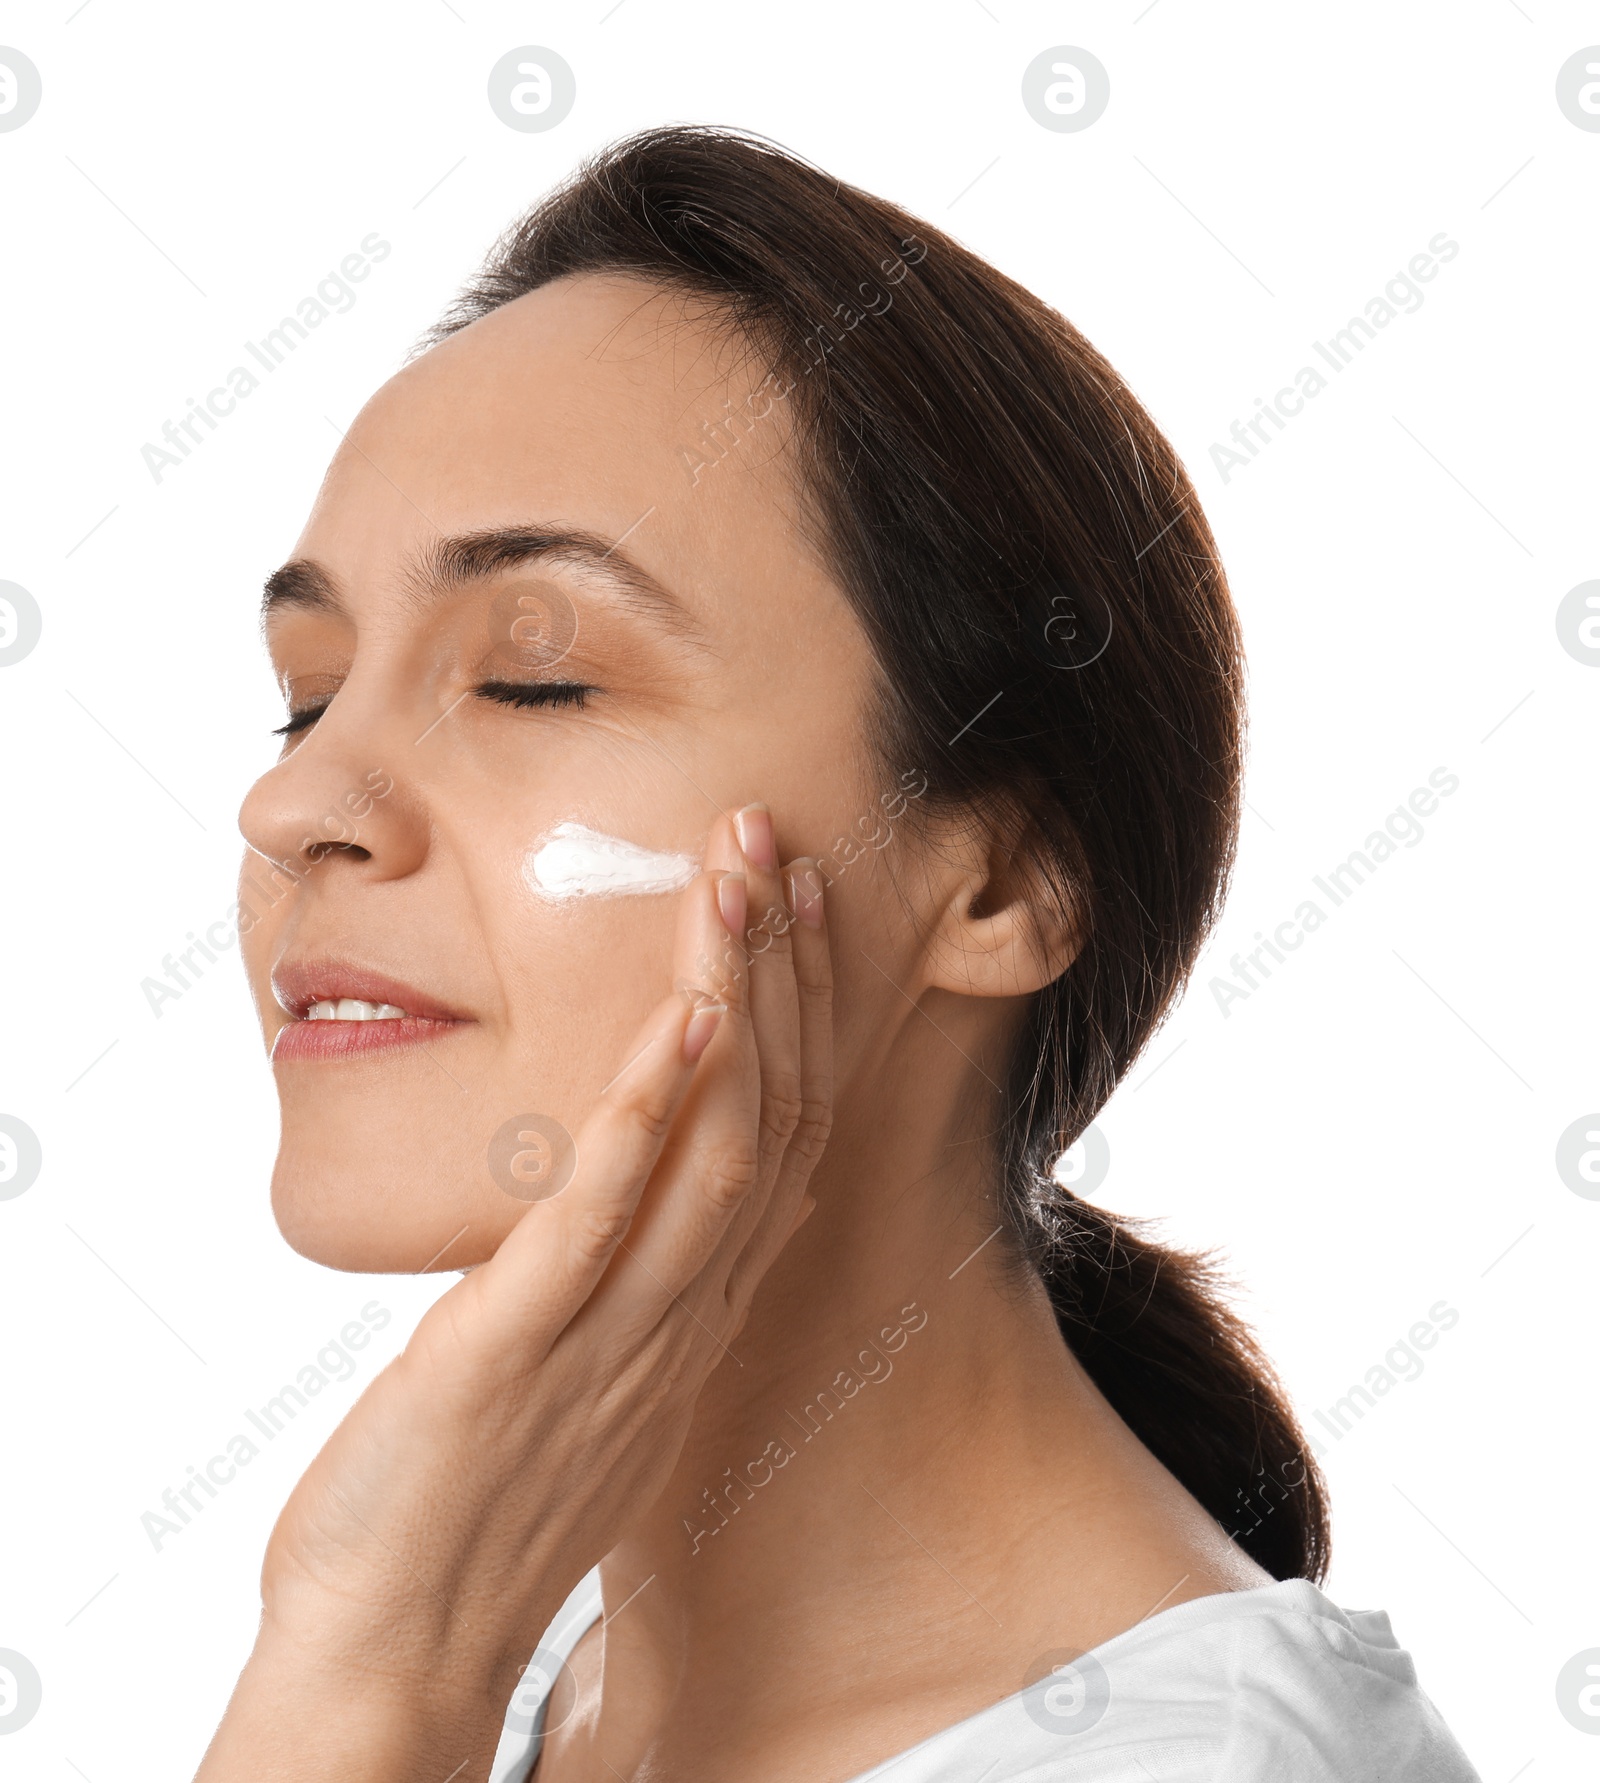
x,y
763,754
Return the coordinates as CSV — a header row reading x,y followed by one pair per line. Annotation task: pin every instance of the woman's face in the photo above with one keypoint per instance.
x,y
706,662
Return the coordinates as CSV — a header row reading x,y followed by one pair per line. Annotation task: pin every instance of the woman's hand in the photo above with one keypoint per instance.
x,y
543,1400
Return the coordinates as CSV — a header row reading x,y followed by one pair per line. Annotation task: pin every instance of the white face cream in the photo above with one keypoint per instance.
x,y
573,861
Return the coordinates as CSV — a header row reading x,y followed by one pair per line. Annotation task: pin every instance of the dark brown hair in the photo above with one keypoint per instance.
x,y
1056,640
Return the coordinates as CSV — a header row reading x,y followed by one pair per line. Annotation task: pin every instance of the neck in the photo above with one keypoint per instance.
x,y
900,1475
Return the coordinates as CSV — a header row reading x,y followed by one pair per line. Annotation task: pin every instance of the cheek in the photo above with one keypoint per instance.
x,y
881,910
578,982
576,960
261,923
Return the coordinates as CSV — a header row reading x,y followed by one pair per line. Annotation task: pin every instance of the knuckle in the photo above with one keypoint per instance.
x,y
730,1175
816,986
816,995
813,1127
771,933
651,1115
782,1103
596,1232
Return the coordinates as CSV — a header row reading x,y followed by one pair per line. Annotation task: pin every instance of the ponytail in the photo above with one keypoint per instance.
x,y
1154,1334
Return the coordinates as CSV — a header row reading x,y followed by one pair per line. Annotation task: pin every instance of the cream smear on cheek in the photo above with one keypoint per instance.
x,y
573,861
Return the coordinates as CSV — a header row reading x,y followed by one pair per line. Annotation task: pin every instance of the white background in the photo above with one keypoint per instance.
x,y
1369,1133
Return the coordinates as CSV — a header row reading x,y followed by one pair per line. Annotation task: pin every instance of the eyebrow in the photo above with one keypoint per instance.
x,y
458,561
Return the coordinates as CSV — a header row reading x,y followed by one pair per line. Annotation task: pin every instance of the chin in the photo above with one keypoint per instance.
x,y
376,1205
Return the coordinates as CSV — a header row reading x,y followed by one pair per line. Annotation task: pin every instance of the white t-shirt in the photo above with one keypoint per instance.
x,y
1274,1685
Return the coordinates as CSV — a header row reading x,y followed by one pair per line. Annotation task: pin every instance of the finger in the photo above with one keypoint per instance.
x,y
763,1224
775,1002
711,1160
715,963
763,1040
763,1046
813,984
556,1254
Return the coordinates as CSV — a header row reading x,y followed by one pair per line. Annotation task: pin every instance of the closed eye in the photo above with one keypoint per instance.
x,y
535,693
526,694
299,721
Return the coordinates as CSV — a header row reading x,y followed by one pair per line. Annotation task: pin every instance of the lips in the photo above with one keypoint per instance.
x,y
339,1010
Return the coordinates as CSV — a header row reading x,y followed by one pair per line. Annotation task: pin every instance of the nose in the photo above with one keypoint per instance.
x,y
337,797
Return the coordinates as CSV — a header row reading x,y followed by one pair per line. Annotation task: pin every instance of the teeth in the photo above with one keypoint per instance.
x,y
353,1009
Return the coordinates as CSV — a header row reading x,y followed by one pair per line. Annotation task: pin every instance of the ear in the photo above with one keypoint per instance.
x,y
1005,930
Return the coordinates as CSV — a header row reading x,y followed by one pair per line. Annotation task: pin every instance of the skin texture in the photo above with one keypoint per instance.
x,y
952,1521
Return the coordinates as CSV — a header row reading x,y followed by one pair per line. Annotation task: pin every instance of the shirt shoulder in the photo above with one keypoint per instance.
x,y
1272,1685
1307,1690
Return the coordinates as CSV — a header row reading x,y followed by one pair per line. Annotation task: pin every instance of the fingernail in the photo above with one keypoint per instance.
x,y
733,900
805,893
701,1026
754,824
807,1207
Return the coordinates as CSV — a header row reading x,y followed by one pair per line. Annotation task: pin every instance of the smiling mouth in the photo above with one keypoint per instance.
x,y
329,1021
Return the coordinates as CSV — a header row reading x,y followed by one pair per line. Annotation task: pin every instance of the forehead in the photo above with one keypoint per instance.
x,y
604,404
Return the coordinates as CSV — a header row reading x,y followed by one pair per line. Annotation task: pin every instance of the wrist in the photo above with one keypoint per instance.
x,y
350,1715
